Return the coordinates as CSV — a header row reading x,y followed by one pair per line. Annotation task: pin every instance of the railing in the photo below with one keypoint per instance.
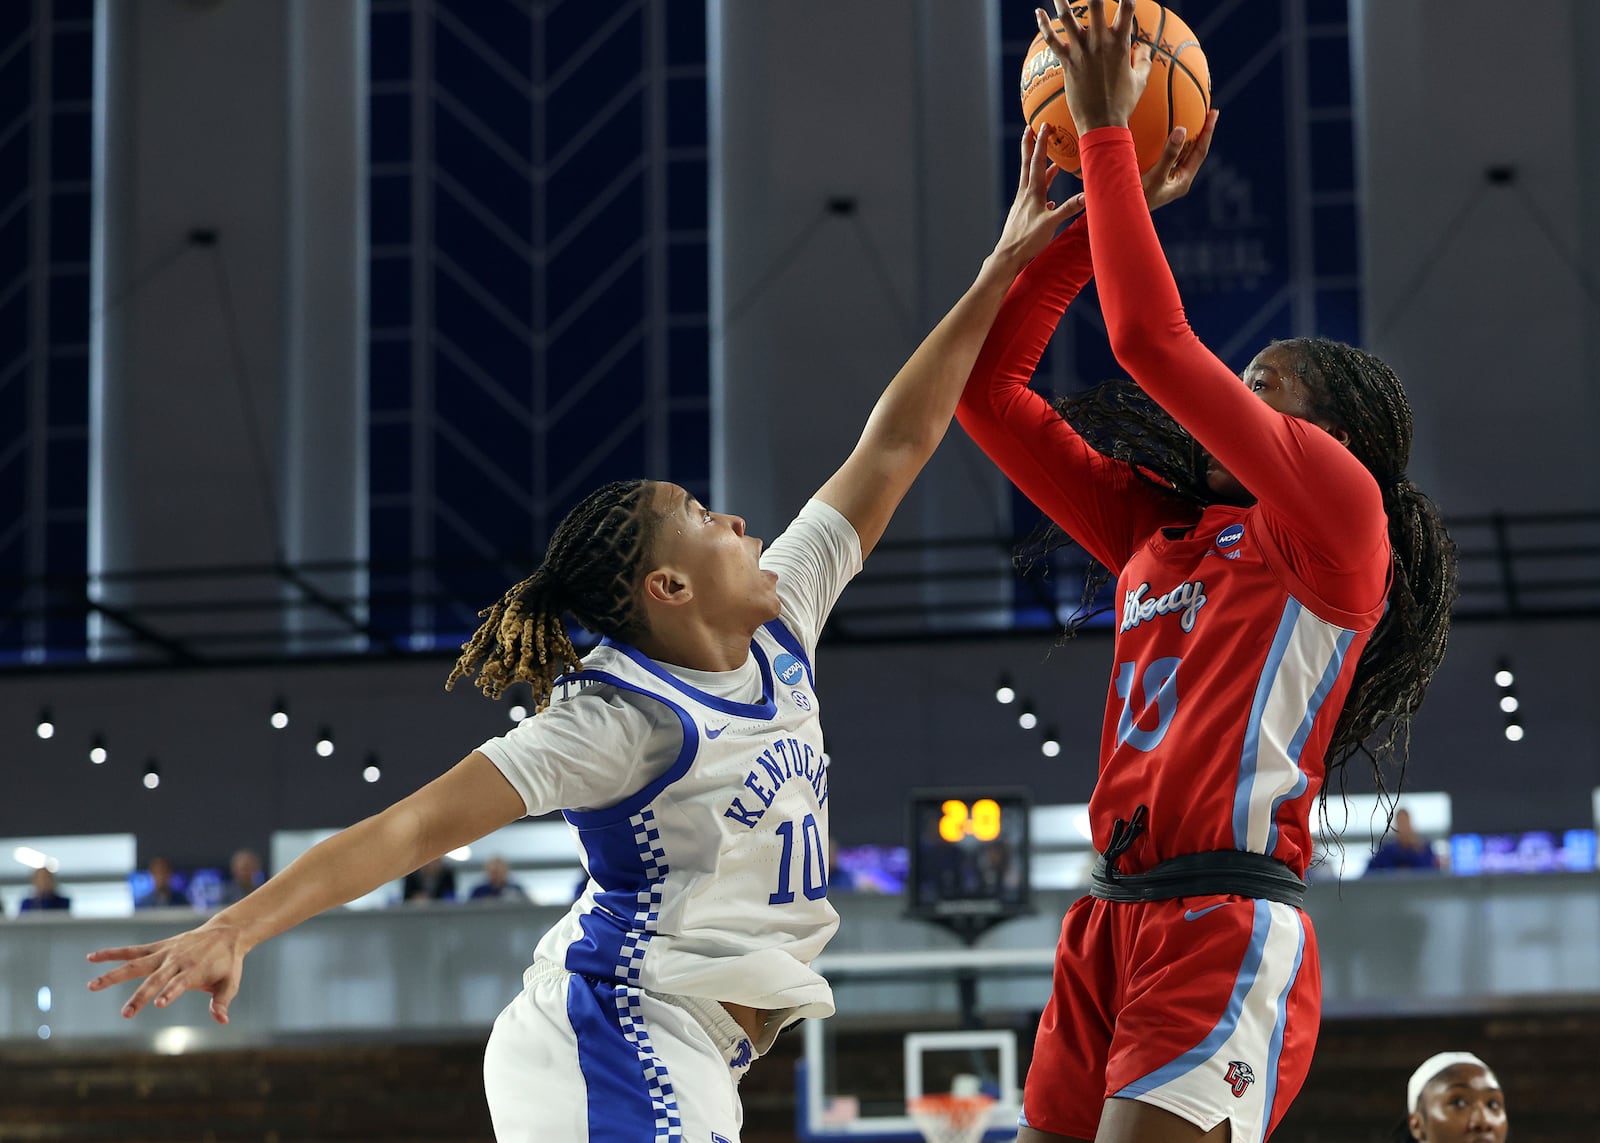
x,y
1514,568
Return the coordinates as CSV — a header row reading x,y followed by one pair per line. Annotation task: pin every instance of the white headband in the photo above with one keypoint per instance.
x,y
1431,1067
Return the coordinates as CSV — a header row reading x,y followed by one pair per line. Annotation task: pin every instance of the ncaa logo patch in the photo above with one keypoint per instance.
x,y
788,669
1230,535
1240,1076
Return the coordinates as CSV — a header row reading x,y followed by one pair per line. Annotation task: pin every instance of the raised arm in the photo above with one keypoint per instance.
x,y
1150,333
913,413
470,800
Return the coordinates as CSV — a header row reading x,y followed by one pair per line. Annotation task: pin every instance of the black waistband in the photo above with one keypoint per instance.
x,y
1201,874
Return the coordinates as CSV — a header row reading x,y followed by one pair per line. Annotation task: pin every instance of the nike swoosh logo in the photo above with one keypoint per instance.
x,y
715,733
1196,914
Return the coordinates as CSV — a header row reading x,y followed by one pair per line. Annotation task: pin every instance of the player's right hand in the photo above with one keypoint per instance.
x,y
205,959
1173,173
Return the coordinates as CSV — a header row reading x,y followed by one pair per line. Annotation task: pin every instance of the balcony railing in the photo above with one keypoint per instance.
x,y
1514,568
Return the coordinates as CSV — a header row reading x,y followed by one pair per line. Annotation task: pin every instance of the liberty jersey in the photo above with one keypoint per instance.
x,y
1224,692
1238,629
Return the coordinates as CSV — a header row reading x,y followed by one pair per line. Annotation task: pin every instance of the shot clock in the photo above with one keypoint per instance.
x,y
969,850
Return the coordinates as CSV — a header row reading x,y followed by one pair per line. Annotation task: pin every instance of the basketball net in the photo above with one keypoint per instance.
x,y
950,1118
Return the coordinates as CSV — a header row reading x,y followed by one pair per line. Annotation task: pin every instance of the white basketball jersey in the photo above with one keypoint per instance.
x,y
711,881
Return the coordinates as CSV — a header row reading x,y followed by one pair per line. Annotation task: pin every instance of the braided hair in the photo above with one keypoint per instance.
x,y
1355,391
591,570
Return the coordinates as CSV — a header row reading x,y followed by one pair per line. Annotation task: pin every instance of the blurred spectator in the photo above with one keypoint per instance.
x,y
497,883
44,895
435,881
1407,849
162,895
247,876
1453,1098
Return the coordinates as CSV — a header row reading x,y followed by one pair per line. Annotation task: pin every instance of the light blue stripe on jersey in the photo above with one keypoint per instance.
x,y
765,709
1248,759
629,1093
1297,744
1282,717
1276,1050
1260,923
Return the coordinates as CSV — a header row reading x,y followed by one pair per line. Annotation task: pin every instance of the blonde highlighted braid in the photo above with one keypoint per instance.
x,y
591,570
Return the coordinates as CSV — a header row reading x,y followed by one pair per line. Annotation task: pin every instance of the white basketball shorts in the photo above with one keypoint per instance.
x,y
578,1060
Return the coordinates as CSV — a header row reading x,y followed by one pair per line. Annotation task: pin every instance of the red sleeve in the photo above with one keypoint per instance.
x,y
1308,486
1096,500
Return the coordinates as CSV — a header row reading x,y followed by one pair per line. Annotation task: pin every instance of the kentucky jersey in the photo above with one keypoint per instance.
x,y
709,877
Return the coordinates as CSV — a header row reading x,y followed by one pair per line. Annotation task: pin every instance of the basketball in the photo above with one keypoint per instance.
x,y
1178,94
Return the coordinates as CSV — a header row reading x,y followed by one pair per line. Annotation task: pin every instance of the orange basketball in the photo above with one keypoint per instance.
x,y
1178,94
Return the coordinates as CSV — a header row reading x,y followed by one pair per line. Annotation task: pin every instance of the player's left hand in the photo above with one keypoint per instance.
x,y
1180,161
205,959
1034,217
1103,70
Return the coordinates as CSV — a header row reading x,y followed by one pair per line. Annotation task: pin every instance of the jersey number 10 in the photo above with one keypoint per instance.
x,y
814,876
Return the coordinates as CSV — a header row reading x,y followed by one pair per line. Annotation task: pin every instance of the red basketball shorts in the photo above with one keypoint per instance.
x,y
1207,1007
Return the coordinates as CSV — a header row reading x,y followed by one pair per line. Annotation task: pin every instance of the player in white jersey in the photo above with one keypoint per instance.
x,y
686,752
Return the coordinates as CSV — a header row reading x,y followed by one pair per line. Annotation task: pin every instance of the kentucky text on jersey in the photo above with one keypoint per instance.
x,y
1188,597
795,759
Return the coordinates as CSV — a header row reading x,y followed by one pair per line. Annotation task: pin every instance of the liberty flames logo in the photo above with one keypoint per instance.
x,y
1239,1077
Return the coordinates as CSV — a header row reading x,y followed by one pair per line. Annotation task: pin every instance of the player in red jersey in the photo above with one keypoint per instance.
x,y
1283,598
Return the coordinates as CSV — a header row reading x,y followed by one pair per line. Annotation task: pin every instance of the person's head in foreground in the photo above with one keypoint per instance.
x,y
1453,1097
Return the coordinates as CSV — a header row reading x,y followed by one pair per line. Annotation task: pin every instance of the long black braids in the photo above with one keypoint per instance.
x,y
590,570
1119,420
1357,392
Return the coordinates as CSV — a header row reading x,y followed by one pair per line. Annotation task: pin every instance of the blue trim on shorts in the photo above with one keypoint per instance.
x,y
1260,924
617,1094
1276,1050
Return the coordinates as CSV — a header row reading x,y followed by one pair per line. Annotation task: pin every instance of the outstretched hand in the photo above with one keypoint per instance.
x,y
1034,217
206,959
1173,173
1104,72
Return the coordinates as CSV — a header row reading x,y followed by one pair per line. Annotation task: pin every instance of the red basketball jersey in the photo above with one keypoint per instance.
x,y
1238,629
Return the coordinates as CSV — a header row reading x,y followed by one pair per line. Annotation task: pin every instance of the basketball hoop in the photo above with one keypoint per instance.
x,y
950,1118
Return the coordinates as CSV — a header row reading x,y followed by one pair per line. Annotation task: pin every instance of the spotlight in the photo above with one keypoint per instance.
x,y
1050,746
97,750
152,774
325,742
1513,731
1508,703
1005,693
47,725
518,712
280,714
372,773
1502,675
1026,718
